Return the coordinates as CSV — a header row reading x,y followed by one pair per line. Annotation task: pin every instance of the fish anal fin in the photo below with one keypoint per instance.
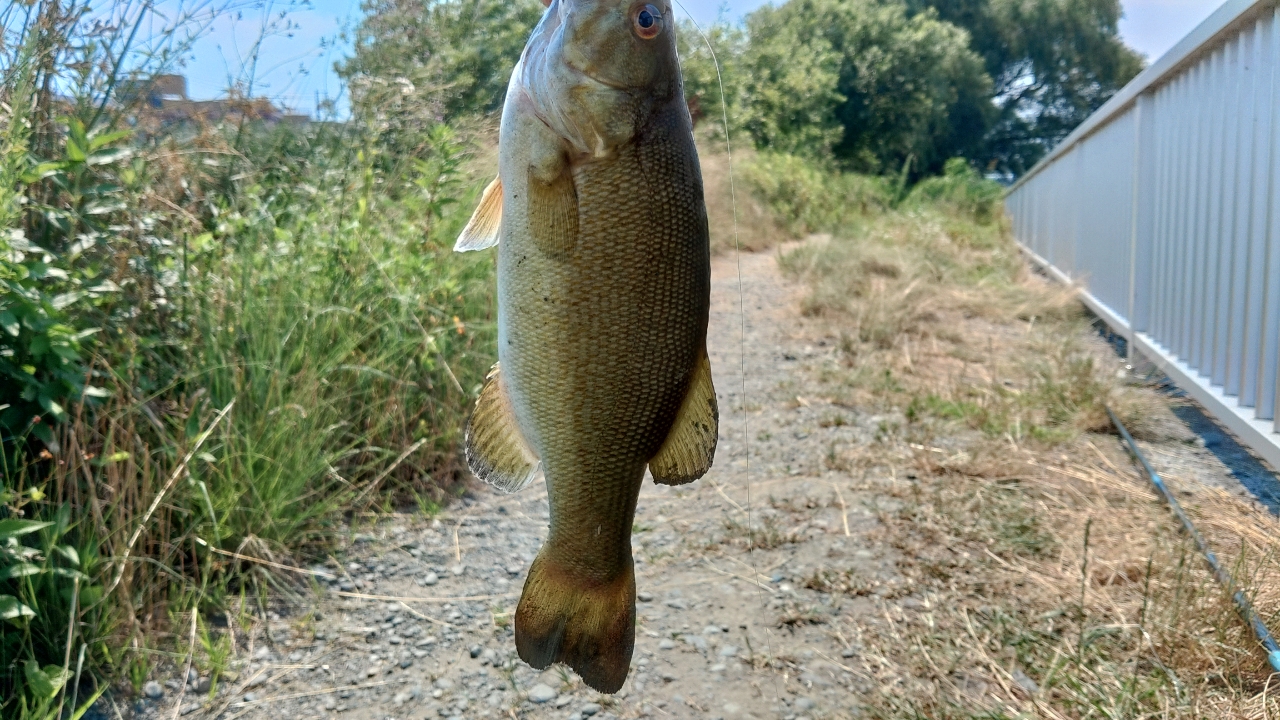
x,y
482,229
553,211
496,449
690,446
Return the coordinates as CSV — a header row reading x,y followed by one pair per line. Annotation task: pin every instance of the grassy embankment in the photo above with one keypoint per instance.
x,y
1056,584
218,343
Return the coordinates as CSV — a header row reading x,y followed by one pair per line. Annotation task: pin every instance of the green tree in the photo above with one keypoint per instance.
x,y
867,82
416,62
1054,62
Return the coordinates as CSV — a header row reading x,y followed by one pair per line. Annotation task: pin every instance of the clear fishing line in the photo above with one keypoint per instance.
x,y
742,330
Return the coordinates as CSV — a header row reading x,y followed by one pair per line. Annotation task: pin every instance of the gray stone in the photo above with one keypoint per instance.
x,y
728,651
476,650
444,683
563,700
203,685
542,693
189,708
458,569
696,641
430,579
1025,681
644,597
153,690
590,709
666,644
330,702
711,630
718,667
250,697
804,703
405,664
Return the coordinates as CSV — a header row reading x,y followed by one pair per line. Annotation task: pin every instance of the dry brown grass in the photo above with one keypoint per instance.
x,y
756,228
939,318
1021,616
1050,581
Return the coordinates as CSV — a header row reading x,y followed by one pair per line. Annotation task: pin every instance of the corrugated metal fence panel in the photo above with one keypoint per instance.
x,y
1164,206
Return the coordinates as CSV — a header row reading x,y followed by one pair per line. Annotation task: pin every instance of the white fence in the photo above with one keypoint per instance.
x,y
1164,207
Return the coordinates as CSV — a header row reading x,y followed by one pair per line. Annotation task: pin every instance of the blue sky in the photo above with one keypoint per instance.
x,y
295,64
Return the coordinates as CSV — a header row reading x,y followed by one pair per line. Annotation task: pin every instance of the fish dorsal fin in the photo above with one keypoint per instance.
x,y
553,212
496,449
690,446
482,229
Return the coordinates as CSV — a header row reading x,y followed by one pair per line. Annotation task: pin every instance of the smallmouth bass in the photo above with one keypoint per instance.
x,y
604,284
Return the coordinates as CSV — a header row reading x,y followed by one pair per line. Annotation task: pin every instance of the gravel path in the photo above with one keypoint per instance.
x,y
415,618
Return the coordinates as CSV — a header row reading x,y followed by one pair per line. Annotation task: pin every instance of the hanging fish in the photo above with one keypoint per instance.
x,y
604,283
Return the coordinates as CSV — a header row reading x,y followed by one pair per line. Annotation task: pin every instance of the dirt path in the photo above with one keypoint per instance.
x,y
416,623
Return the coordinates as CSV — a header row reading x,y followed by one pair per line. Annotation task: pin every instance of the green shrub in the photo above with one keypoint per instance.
x,y
807,198
961,189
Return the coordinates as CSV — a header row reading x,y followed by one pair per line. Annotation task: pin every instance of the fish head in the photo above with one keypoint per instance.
x,y
595,68
625,44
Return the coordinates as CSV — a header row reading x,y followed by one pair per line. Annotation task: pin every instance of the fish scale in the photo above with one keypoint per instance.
x,y
603,300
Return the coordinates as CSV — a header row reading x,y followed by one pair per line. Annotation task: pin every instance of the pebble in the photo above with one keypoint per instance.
x,y
542,693
804,703
458,569
189,708
711,630
153,690
203,685
697,641
430,579
405,664
590,709
250,697
644,597
728,651
444,683
666,644
476,650
330,703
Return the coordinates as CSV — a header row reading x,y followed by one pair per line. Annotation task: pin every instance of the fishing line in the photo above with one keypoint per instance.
x,y
742,330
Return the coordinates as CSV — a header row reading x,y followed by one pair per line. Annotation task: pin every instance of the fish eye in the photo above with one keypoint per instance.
x,y
648,22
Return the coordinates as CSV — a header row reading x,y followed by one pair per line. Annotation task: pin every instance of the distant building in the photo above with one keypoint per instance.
x,y
165,100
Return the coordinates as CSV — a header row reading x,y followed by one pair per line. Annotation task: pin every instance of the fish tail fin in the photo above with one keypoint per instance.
x,y
587,625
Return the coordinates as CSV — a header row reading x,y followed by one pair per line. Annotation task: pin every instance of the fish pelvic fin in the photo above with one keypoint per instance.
x,y
587,625
482,229
690,447
496,449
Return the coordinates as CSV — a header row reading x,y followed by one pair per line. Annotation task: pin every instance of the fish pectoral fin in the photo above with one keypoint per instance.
x,y
482,229
553,211
496,449
687,452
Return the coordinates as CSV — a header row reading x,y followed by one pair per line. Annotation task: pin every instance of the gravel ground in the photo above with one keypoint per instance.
x,y
413,620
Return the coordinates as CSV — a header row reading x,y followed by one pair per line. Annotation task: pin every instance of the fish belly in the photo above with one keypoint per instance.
x,y
597,343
